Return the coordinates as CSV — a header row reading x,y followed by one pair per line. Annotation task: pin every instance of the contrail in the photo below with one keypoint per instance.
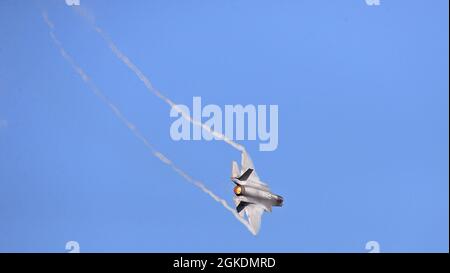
x,y
136,132
121,56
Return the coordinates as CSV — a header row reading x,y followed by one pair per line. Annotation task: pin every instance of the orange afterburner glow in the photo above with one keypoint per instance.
x,y
237,190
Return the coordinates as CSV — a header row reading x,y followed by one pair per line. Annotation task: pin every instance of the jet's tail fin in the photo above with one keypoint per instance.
x,y
245,175
235,169
241,206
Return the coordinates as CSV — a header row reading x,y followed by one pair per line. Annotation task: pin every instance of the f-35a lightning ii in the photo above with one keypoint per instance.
x,y
253,196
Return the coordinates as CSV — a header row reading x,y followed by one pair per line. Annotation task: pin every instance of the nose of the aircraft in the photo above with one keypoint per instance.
x,y
280,200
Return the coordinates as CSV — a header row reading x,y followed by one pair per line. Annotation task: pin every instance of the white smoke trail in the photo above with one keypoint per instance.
x,y
121,56
136,132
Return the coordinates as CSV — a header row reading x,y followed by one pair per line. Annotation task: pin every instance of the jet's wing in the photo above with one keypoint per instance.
x,y
247,163
254,213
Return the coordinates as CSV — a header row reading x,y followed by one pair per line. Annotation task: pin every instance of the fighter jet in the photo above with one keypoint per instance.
x,y
252,195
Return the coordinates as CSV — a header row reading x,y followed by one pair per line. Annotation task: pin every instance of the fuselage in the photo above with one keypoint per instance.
x,y
258,194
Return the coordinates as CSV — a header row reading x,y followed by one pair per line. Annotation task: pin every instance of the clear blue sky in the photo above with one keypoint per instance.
x,y
363,125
